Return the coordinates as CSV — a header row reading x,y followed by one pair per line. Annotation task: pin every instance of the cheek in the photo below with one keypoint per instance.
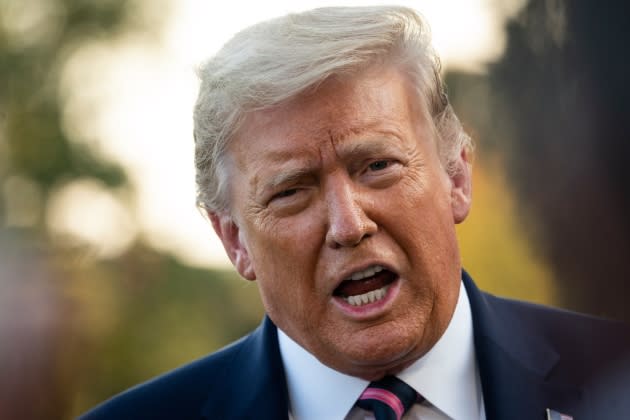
x,y
417,204
286,256
291,242
421,219
273,240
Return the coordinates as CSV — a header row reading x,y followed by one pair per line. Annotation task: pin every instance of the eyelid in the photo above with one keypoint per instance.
x,y
282,192
278,194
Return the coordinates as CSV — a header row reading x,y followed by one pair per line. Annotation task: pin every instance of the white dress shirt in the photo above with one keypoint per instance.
x,y
447,377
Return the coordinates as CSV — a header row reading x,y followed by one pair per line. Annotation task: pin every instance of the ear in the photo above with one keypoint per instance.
x,y
230,234
461,186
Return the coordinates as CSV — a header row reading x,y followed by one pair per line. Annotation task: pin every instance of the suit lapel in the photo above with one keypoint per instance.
x,y
515,363
253,383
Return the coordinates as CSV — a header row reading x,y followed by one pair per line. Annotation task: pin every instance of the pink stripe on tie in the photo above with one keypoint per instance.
x,y
385,397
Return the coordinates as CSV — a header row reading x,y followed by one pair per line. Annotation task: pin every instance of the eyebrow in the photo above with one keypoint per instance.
x,y
288,176
362,148
268,183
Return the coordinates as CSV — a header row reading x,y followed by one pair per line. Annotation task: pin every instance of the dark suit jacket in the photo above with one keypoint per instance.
x,y
530,358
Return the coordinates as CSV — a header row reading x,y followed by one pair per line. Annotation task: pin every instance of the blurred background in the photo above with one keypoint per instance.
x,y
108,273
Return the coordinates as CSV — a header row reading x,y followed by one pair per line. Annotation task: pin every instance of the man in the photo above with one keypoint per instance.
x,y
334,171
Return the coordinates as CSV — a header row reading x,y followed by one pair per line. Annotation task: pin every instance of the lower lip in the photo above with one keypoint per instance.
x,y
370,310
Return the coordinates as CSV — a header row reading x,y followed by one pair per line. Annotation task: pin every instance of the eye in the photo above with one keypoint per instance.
x,y
286,193
381,173
379,165
289,201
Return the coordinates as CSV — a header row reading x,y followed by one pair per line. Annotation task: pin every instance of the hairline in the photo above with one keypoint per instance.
x,y
410,52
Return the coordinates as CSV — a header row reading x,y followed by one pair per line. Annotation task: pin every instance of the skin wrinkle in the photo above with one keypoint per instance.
x,y
347,214
261,189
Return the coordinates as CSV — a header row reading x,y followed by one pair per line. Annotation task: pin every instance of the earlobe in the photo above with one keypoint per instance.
x,y
231,237
461,187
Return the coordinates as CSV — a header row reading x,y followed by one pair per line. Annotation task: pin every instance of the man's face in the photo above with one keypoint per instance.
x,y
342,212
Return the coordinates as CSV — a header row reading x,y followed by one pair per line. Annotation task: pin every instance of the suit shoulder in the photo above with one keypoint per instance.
x,y
180,393
549,313
571,330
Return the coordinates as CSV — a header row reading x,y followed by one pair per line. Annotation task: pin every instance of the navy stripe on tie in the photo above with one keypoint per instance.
x,y
389,398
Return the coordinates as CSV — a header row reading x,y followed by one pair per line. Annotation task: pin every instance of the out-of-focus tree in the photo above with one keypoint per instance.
x,y
37,331
77,326
36,39
65,315
495,246
559,102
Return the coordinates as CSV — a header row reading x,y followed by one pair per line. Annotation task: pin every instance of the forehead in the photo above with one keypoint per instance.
x,y
380,100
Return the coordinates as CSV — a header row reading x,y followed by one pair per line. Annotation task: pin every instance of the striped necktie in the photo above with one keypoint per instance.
x,y
388,398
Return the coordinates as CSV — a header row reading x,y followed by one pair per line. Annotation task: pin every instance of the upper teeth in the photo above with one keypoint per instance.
x,y
368,272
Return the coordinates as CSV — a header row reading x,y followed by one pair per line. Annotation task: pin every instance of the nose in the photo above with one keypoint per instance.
x,y
348,222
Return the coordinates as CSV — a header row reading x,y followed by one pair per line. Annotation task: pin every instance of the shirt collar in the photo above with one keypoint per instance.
x,y
310,382
446,376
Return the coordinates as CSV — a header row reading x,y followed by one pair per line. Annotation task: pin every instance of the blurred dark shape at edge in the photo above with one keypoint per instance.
x,y
36,332
559,107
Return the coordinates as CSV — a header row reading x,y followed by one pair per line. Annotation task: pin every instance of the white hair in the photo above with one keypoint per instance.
x,y
274,61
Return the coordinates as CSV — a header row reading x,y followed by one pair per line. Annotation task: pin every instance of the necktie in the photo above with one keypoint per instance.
x,y
388,398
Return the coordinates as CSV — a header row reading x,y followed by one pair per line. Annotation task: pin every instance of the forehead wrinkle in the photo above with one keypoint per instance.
x,y
355,126
300,159
366,140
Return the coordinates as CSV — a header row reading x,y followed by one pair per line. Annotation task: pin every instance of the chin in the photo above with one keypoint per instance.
x,y
377,356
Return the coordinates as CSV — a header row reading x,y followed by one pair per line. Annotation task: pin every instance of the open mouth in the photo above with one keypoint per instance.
x,y
366,286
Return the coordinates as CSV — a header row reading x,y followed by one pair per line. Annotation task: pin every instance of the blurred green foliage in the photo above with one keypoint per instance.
x,y
495,243
80,329
159,314
36,38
